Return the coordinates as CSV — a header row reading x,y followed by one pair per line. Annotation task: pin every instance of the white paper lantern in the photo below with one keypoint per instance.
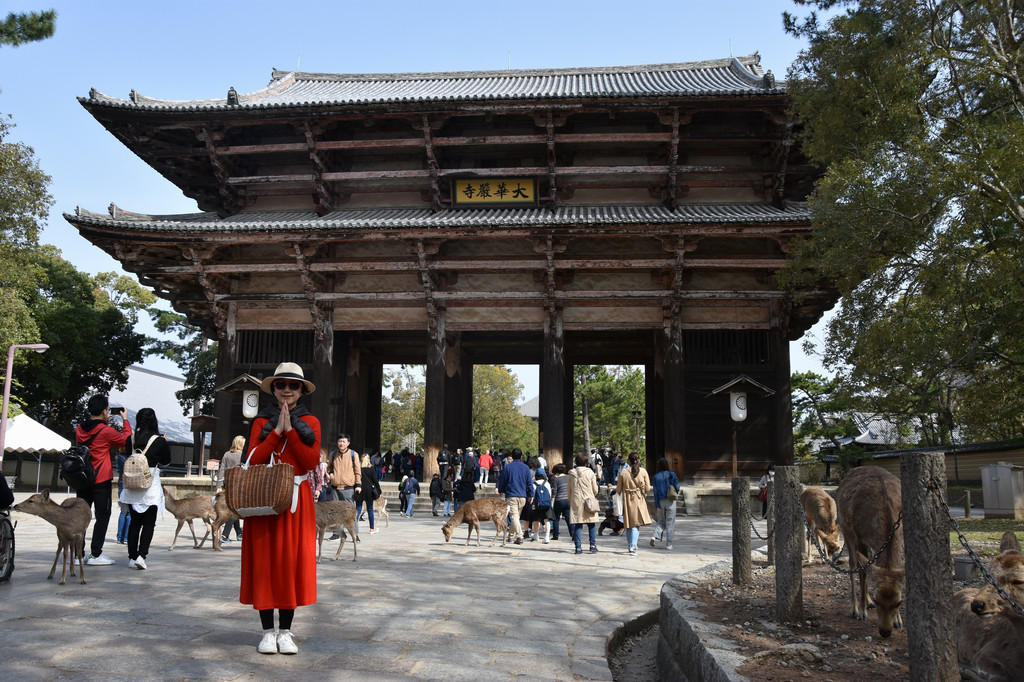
x,y
738,406
250,403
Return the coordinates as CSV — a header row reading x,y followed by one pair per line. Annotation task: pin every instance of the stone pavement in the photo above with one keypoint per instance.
x,y
411,608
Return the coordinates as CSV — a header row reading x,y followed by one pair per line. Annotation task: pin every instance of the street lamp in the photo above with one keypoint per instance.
x,y
37,347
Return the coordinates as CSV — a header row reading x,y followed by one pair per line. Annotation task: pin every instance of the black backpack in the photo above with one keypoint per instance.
x,y
76,465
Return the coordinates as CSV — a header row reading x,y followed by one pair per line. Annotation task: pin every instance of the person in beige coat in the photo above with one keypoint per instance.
x,y
582,485
633,484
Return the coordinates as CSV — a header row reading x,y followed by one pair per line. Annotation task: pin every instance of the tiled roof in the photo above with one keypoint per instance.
x,y
395,218
741,76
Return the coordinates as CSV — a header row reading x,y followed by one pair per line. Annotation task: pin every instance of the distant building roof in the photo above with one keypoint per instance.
x,y
147,388
531,408
289,89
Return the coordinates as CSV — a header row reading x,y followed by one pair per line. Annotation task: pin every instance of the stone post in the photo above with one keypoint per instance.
x,y
789,551
741,571
929,620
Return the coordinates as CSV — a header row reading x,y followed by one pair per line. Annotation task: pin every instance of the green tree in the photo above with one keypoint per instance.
x,y
822,419
403,411
25,202
91,342
915,109
194,355
26,27
497,421
606,397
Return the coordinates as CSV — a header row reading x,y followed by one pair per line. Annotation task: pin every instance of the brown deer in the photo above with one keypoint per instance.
x,y
380,506
221,515
335,516
186,509
870,503
71,518
821,516
990,631
473,512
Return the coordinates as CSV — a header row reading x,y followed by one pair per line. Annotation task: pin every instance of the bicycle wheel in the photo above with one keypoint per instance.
x,y
6,548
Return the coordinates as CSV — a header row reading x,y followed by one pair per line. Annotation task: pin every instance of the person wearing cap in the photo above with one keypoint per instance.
x,y
279,551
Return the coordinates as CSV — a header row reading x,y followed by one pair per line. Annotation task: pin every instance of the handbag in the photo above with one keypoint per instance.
x,y
259,489
591,504
672,494
617,504
136,474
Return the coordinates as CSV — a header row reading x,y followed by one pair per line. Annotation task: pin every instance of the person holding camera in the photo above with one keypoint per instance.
x,y
100,494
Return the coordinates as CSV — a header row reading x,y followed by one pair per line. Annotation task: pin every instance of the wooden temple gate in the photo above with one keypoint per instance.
x,y
628,215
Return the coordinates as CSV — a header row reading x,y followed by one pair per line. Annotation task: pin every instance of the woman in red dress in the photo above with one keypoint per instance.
x,y
279,552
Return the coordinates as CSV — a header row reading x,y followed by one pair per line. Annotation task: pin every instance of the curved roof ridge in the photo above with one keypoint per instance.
x,y
263,220
748,61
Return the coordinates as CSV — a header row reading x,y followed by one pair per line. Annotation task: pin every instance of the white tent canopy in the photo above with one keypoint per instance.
x,y
25,434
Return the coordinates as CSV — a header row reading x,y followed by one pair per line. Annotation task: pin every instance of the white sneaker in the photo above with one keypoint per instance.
x,y
101,560
668,546
140,564
131,563
268,645
285,643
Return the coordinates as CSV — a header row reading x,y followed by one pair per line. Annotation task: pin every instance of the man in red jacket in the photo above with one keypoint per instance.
x,y
100,495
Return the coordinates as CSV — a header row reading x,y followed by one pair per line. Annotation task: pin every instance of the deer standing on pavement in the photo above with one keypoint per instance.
x,y
473,512
186,509
335,516
71,518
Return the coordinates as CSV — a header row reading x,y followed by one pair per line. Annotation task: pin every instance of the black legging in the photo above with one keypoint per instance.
x,y
284,618
140,531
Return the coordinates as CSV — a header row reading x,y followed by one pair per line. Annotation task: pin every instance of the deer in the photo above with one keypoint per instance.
x,y
380,506
870,505
335,516
821,517
221,515
71,518
186,509
990,631
473,512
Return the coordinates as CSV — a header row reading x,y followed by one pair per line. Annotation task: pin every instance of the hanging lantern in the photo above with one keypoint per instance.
x,y
738,406
250,403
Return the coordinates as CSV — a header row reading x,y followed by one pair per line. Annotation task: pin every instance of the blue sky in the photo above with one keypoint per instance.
x,y
193,50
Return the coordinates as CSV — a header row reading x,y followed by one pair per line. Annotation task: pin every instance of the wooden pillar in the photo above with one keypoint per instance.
x,y
356,394
553,389
929,620
788,537
741,569
454,393
674,382
226,406
568,431
374,394
433,422
782,400
322,374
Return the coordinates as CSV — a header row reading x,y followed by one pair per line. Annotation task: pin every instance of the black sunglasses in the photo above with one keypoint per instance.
x,y
292,385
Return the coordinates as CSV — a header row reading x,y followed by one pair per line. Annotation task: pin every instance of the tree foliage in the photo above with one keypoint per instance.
x,y
91,341
606,397
497,421
26,27
192,353
403,411
916,108
25,202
